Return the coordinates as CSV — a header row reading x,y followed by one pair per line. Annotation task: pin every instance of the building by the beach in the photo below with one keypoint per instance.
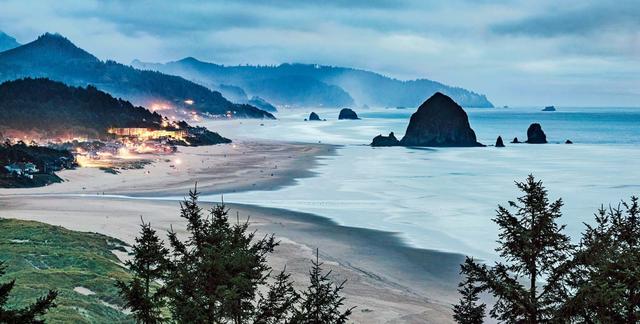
x,y
147,133
26,169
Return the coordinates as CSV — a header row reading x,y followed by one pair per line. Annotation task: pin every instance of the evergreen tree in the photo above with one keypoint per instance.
x,y
29,314
529,286
606,269
279,304
148,265
468,311
321,302
216,271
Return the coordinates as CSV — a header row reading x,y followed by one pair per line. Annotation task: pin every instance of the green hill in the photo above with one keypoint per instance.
x,y
80,266
53,109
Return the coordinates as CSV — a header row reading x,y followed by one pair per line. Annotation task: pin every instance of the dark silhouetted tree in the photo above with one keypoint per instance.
x,y
606,269
322,302
528,287
29,314
214,274
468,310
217,270
149,264
278,305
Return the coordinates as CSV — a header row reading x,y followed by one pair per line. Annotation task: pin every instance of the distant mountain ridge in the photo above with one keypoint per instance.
x,y
54,56
308,84
7,42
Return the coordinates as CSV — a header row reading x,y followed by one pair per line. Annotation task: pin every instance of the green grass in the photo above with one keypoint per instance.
x,y
42,257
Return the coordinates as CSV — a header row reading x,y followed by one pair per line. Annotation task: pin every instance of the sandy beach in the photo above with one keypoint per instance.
x,y
388,281
241,166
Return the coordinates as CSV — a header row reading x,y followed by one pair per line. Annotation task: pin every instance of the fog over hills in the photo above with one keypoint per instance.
x,y
309,84
289,85
7,42
54,56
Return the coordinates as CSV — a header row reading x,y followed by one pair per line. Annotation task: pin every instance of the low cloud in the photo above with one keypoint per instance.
x,y
582,18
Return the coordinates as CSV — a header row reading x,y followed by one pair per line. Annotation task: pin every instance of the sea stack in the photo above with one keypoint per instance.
x,y
499,142
535,135
314,117
515,141
381,140
439,122
347,113
568,142
549,108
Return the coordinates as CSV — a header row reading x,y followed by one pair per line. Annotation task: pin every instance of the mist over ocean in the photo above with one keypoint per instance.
x,y
445,198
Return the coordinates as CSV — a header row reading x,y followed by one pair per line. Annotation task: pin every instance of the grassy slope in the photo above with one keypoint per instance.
x,y
57,258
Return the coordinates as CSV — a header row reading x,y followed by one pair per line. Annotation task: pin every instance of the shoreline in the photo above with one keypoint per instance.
x,y
217,169
388,280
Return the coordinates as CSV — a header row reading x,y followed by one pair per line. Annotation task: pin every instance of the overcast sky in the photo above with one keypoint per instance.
x,y
579,53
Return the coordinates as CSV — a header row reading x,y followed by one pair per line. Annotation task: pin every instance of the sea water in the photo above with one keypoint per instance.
x,y
445,198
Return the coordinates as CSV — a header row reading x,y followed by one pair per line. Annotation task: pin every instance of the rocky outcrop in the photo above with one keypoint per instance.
x,y
535,135
439,122
515,141
314,117
549,108
568,142
381,140
347,113
499,142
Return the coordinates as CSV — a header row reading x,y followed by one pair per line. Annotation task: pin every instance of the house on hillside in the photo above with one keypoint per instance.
x,y
26,169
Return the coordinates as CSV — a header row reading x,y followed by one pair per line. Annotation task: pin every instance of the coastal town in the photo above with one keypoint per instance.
x,y
127,147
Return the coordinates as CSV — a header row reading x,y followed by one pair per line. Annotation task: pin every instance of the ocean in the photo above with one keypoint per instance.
x,y
444,198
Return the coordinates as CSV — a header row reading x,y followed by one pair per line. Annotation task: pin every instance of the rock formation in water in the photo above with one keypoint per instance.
x,y
381,140
314,117
549,108
347,113
499,142
515,141
568,142
535,135
439,122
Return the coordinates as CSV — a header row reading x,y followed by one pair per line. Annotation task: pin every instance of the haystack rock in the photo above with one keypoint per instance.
x,y
499,142
347,113
381,140
535,135
314,116
439,122
515,141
